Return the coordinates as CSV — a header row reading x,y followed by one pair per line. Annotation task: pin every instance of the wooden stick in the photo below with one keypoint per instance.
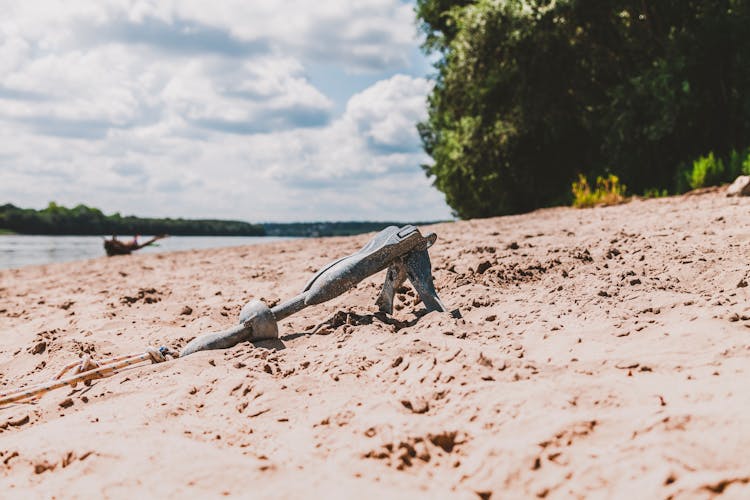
x,y
114,366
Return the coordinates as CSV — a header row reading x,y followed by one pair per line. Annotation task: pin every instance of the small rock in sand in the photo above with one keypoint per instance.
x,y
16,422
483,266
740,186
416,405
39,348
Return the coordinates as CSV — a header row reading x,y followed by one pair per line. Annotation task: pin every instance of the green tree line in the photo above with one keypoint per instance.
x,y
83,220
530,93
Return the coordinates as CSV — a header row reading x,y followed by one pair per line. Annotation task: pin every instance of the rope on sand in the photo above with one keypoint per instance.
x,y
85,370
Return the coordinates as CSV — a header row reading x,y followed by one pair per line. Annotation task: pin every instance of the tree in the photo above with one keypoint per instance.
x,y
530,93
83,220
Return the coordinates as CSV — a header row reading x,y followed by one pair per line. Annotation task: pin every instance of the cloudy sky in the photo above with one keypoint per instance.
x,y
260,110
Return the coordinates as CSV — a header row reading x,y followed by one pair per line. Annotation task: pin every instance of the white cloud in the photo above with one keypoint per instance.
x,y
204,109
375,136
386,112
262,94
363,35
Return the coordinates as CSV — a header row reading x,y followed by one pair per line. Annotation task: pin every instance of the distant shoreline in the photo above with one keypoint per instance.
x,y
57,220
88,221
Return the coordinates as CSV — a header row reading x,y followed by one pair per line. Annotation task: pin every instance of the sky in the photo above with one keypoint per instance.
x,y
262,110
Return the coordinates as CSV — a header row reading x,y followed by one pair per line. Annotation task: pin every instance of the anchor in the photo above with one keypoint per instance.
x,y
400,250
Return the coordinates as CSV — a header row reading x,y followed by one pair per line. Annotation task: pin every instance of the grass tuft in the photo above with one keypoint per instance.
x,y
608,191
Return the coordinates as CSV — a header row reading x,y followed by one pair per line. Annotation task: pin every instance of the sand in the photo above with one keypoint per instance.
x,y
602,353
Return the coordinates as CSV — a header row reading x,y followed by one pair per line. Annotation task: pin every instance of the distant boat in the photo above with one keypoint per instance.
x,y
116,247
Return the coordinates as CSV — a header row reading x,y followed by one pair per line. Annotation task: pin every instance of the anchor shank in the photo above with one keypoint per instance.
x,y
289,307
218,340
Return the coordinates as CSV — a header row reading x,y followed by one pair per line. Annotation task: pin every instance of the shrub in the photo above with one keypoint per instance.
x,y
735,164
707,171
655,193
608,191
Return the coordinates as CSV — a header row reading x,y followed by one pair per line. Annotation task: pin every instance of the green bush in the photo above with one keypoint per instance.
x,y
608,191
712,170
655,193
745,165
707,171
734,164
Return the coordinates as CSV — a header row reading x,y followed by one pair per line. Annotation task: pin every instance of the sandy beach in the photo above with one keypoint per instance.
x,y
602,353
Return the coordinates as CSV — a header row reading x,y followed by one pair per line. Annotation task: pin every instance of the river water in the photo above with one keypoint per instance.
x,y
25,250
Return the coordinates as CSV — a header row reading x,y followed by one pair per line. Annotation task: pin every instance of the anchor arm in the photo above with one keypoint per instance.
x,y
419,271
379,253
394,278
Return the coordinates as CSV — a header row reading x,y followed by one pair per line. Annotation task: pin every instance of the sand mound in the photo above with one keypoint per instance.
x,y
601,352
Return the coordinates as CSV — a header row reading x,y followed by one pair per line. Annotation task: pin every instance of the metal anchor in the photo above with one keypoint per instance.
x,y
402,250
